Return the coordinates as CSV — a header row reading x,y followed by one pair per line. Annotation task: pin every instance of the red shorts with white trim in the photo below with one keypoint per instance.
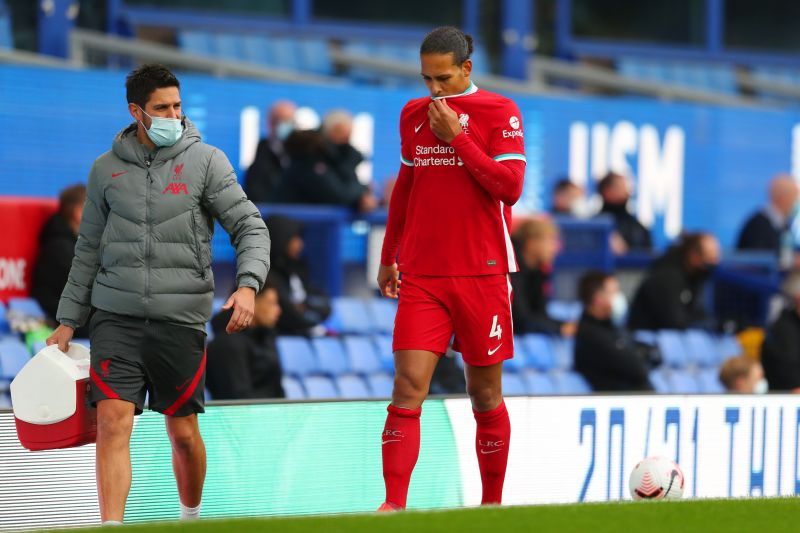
x,y
131,357
476,309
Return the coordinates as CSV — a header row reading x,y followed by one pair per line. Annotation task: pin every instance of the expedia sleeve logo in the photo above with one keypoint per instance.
x,y
514,123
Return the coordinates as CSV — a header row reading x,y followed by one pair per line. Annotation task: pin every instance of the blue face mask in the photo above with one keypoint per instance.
x,y
163,131
284,129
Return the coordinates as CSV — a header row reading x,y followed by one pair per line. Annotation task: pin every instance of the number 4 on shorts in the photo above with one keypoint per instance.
x,y
496,330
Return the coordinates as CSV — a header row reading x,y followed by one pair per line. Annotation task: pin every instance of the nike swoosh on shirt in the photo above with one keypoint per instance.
x,y
388,441
491,352
117,174
417,128
484,452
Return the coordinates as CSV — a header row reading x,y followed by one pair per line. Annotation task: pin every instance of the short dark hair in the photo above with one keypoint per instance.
x,y
691,242
590,284
269,284
71,198
448,40
607,180
143,81
563,184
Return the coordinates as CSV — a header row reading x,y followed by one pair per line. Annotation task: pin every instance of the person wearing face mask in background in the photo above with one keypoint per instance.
x,y
671,294
606,355
536,244
780,353
629,234
271,161
569,200
743,375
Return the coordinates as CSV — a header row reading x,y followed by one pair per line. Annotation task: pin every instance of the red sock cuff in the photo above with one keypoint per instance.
x,y
402,412
489,416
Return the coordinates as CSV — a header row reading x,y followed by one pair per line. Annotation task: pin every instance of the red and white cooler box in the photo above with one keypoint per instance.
x,y
50,400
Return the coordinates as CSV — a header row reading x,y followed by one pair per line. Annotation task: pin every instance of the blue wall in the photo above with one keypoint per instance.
x,y
54,123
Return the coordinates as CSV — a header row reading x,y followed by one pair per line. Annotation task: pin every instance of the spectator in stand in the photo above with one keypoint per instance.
x,y
537,243
765,229
671,294
265,174
303,307
337,128
608,358
245,365
744,375
780,353
568,199
314,176
629,234
56,249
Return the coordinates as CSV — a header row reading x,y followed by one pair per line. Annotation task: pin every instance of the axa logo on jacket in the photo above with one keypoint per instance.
x,y
177,186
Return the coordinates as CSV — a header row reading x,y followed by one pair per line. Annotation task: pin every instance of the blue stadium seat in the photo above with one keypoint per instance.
x,y
352,315
538,383
195,42
352,386
672,349
513,384
255,49
5,401
320,387
383,344
659,382
4,326
361,355
520,360
282,53
6,36
314,56
540,352
207,395
570,383
13,356
708,380
38,346
564,350
380,384
683,382
26,306
382,312
728,346
330,356
227,45
701,347
717,77
564,310
297,357
292,388
647,337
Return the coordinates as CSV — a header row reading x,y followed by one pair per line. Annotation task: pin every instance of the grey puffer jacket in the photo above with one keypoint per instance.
x,y
144,245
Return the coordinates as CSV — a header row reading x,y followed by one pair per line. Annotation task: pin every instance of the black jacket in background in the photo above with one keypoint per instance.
x,y
668,297
56,250
297,318
532,290
608,358
320,173
758,233
244,365
264,177
780,353
635,235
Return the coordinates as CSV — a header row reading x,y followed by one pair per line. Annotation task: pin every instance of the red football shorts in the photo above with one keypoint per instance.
x,y
477,309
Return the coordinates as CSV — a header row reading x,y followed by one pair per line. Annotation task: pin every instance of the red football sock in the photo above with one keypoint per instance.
x,y
491,445
400,448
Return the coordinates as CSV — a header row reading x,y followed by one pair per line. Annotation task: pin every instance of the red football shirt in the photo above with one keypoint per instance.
x,y
451,224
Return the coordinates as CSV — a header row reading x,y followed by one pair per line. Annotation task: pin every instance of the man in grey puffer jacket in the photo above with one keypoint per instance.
x,y
143,261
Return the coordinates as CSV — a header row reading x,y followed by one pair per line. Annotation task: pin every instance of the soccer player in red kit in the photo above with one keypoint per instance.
x,y
462,169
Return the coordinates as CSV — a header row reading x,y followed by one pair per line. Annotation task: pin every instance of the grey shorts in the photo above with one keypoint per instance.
x,y
131,357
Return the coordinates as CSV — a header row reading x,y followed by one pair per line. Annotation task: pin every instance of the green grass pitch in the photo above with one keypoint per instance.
x,y
745,515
